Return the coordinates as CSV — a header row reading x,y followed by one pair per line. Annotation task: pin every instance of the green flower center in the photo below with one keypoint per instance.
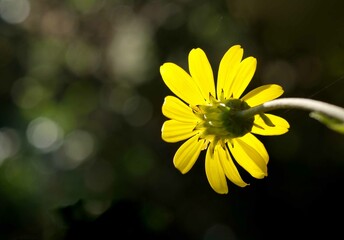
x,y
219,119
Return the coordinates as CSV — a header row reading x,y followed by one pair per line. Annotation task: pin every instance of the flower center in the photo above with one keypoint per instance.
x,y
219,119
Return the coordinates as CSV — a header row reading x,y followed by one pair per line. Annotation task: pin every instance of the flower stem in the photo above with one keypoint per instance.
x,y
327,109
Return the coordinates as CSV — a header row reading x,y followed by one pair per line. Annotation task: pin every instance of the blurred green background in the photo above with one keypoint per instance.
x,y
80,93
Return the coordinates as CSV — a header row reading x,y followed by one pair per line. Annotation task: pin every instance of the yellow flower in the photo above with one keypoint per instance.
x,y
206,116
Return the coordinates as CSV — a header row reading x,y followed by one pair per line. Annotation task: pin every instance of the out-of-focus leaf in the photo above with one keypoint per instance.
x,y
331,123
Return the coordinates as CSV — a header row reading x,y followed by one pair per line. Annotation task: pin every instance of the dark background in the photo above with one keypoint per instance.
x,y
80,93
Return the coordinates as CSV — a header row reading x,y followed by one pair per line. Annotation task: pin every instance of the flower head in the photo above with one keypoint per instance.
x,y
205,116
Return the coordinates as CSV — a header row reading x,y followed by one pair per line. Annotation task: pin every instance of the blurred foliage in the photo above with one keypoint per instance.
x,y
80,148
331,123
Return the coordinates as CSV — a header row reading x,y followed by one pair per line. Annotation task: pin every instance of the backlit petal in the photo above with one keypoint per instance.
x,y
252,141
248,157
175,109
201,72
262,94
227,70
243,77
259,127
175,131
214,171
181,84
229,168
187,154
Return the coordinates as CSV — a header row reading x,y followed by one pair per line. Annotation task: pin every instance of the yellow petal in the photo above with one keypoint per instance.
x,y
181,84
175,109
243,77
187,154
248,157
214,171
252,141
229,167
201,72
227,70
262,94
175,131
259,127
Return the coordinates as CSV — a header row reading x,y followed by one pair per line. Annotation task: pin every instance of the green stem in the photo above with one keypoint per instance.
x,y
298,103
